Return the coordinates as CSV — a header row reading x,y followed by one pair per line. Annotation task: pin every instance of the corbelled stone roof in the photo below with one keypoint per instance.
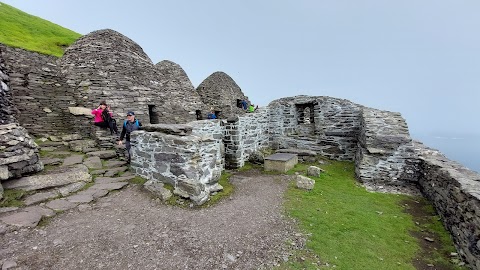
x,y
98,44
220,92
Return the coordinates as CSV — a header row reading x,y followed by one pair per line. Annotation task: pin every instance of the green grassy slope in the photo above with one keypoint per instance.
x,y
22,30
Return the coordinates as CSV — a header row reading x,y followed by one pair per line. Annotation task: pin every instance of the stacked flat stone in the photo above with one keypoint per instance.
x,y
331,130
18,152
220,93
385,154
455,192
7,108
172,154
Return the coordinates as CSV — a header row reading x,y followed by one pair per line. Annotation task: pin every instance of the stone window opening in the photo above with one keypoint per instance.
x,y
152,112
239,103
305,113
217,113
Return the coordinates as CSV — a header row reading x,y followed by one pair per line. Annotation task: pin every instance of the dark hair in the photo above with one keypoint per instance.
x,y
103,102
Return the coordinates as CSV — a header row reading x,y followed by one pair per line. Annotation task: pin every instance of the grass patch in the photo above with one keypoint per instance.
x,y
137,180
351,228
11,198
32,33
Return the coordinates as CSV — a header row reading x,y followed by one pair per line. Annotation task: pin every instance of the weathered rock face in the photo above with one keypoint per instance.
x,y
222,94
385,154
455,193
326,125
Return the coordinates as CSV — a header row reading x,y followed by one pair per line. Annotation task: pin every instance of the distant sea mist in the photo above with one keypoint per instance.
x,y
464,149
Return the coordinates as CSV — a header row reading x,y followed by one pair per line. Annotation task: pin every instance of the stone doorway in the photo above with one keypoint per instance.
x,y
152,111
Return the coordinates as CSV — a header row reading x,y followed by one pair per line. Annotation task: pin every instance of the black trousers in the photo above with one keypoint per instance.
x,y
112,125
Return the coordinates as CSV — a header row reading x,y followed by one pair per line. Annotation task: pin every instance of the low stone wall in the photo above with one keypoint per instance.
x,y
18,152
173,154
245,135
455,193
385,154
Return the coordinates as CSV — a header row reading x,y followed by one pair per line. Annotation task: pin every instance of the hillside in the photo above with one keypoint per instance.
x,y
22,30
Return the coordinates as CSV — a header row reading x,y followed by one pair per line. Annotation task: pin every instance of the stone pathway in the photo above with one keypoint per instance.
x,y
62,187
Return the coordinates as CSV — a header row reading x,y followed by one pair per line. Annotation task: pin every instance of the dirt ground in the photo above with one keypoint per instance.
x,y
129,230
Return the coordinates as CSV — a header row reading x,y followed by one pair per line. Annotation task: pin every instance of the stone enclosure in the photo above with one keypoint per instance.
x,y
44,95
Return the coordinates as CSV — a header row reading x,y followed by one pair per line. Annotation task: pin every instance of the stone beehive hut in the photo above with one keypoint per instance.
x,y
105,65
220,93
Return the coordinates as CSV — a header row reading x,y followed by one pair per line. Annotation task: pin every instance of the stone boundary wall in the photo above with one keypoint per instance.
x,y
455,193
173,154
245,135
385,154
326,125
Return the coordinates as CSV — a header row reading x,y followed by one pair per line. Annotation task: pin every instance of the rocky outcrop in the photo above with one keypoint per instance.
x,y
222,94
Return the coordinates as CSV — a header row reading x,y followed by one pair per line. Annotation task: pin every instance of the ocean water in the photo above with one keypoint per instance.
x,y
464,149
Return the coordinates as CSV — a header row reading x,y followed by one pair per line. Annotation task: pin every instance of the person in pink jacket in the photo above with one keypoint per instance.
x,y
104,117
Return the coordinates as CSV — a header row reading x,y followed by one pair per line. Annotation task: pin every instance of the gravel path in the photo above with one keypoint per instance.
x,y
129,230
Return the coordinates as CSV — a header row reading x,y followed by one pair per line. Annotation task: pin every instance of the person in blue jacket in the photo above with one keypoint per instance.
x,y
130,125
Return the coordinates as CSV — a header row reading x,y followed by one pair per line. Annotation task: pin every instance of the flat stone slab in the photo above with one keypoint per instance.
x,y
79,145
22,219
40,197
114,171
281,157
106,180
280,162
98,172
103,154
51,161
176,129
7,209
115,163
95,193
61,205
93,162
300,152
62,176
80,198
109,186
45,212
72,160
70,188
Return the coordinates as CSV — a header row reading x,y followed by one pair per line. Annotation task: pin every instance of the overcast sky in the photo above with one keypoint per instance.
x,y
419,58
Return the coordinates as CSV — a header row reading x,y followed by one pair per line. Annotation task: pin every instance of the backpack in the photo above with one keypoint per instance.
x,y
107,118
136,123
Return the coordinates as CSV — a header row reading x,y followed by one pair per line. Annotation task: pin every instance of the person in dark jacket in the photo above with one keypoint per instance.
x,y
130,125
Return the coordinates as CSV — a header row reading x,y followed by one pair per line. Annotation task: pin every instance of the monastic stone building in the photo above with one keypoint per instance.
x,y
45,95
222,94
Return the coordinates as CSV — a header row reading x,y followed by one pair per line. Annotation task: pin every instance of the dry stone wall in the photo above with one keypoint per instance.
x,y
18,152
190,161
245,135
455,193
385,153
326,125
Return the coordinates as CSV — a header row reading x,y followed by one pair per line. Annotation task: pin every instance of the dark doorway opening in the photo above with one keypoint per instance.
x,y
217,113
305,113
152,111
198,113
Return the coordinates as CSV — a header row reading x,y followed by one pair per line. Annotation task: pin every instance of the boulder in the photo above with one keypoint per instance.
x,y
314,171
158,189
304,182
